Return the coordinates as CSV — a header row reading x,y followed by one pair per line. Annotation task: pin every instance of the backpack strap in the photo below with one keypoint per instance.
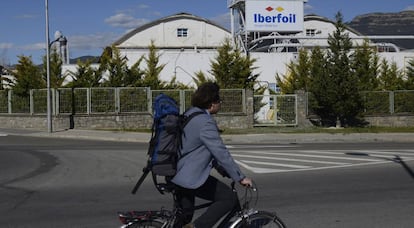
x,y
183,124
192,115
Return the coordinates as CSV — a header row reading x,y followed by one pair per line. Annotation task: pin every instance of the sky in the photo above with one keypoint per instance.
x,y
91,25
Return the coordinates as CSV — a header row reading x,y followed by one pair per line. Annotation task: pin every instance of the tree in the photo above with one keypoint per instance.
x,y
135,74
55,67
174,84
232,69
201,78
409,82
116,67
27,77
321,88
298,75
365,67
390,77
153,70
342,100
85,76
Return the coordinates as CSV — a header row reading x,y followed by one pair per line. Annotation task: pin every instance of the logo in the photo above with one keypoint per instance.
x,y
278,18
278,9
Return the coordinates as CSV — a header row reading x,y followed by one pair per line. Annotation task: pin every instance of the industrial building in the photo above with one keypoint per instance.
x,y
187,43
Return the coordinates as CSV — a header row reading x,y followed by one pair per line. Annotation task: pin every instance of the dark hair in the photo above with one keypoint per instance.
x,y
206,94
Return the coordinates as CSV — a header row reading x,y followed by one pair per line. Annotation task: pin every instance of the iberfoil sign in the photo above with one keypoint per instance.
x,y
283,16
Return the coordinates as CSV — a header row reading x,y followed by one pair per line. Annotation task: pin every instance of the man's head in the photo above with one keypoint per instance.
x,y
207,97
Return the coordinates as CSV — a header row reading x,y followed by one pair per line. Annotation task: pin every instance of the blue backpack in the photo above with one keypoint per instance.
x,y
166,139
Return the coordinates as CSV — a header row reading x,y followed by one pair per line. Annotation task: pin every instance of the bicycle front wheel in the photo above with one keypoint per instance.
x,y
146,224
262,219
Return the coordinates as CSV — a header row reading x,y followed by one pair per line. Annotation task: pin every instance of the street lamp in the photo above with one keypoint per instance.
x,y
49,102
62,41
48,45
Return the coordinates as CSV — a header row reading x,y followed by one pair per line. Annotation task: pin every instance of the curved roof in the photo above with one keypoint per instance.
x,y
174,17
314,17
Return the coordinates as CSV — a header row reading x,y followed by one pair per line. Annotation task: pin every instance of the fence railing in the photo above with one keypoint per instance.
x,y
275,110
107,100
382,102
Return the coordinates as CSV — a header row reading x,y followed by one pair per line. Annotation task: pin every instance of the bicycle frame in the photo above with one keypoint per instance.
x,y
167,219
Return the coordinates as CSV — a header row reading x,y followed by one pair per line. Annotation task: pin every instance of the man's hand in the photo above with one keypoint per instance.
x,y
246,182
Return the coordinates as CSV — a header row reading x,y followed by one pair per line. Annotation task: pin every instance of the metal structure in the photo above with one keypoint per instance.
x,y
277,41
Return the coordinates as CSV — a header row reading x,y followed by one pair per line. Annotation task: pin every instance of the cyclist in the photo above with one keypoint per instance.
x,y
203,147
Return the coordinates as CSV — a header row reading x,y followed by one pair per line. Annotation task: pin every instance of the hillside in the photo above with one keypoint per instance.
x,y
401,23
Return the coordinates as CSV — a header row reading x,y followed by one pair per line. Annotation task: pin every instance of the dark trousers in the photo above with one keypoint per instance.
x,y
221,195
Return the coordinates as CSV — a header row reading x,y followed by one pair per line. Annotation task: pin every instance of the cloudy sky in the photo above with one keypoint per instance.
x,y
90,25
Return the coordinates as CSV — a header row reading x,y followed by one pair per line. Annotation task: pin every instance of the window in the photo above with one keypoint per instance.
x,y
182,32
310,32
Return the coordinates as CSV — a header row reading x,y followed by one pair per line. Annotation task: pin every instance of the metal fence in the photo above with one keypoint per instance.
x,y
275,110
107,100
399,102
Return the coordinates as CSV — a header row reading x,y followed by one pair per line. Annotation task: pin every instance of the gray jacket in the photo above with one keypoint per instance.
x,y
201,144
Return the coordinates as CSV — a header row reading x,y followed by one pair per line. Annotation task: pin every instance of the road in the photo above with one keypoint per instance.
x,y
52,182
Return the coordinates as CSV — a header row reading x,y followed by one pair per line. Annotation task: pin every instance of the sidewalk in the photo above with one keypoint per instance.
x,y
280,138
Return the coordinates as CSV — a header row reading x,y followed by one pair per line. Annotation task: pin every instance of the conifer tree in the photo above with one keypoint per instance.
x,y
321,88
201,78
233,69
297,77
409,82
390,77
153,70
116,67
365,67
348,102
27,77
85,76
55,67
135,74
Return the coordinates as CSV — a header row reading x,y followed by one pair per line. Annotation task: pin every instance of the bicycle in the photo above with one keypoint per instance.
x,y
247,217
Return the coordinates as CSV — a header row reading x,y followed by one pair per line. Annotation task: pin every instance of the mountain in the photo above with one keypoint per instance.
x,y
93,59
401,23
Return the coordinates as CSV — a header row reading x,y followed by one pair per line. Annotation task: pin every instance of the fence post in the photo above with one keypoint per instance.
x,y
149,96
391,101
117,100
9,101
54,102
302,109
248,103
88,100
182,100
57,92
31,103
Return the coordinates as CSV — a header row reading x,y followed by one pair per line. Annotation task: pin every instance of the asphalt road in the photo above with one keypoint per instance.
x,y
56,182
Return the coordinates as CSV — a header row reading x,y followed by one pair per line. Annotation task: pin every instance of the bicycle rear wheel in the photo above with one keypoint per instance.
x,y
262,219
146,224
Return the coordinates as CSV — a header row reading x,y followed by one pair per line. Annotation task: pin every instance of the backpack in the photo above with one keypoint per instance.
x,y
165,144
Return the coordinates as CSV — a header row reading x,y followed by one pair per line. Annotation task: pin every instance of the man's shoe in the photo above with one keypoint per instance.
x,y
189,225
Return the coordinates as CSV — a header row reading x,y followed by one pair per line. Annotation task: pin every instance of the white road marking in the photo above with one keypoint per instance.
x,y
260,170
296,154
290,159
277,164
262,159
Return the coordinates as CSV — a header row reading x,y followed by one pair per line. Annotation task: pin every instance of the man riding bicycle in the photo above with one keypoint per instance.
x,y
203,146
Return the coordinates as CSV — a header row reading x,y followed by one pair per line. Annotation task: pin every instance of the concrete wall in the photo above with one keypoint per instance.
x,y
391,121
135,121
